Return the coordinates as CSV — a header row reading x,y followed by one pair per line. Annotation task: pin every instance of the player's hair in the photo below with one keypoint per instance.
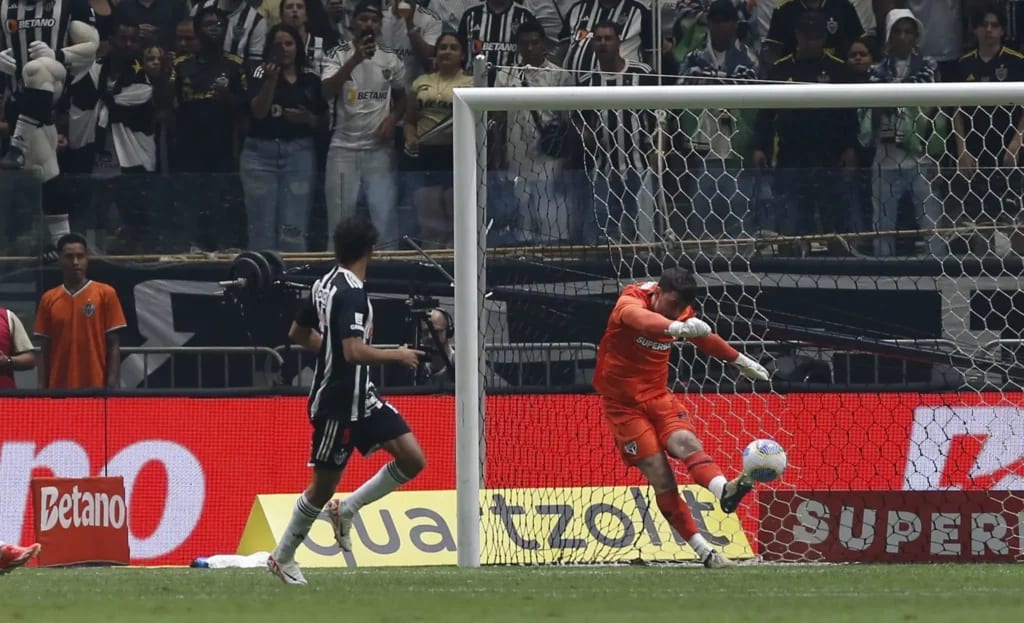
x,y
354,237
203,12
300,45
681,281
71,238
607,23
989,8
531,26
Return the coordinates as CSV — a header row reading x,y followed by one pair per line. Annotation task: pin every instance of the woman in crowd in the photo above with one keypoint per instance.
x,y
278,163
316,41
430,149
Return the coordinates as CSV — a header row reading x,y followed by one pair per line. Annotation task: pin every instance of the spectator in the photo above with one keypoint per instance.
x,y
103,12
489,28
117,110
634,22
860,58
842,27
245,31
16,353
535,142
433,156
185,42
157,19
722,137
278,163
619,143
815,150
78,323
411,31
365,86
211,91
943,36
295,13
988,138
898,167
338,19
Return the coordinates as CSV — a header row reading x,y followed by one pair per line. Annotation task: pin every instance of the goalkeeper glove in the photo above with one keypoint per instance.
x,y
750,368
687,329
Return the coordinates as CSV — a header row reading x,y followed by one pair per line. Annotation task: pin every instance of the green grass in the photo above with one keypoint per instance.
x,y
962,593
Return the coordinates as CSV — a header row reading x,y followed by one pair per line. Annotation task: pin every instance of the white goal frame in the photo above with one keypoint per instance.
x,y
470,108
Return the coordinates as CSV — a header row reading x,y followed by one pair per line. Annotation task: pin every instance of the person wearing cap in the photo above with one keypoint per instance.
x,y
721,138
898,133
814,149
988,138
364,85
842,27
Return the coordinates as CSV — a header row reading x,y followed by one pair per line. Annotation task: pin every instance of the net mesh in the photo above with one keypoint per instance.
x,y
896,385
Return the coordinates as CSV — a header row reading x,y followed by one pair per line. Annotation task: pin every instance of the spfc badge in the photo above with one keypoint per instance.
x,y
1001,72
832,26
89,309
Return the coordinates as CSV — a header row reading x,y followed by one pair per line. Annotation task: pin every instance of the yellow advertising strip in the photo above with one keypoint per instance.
x,y
518,526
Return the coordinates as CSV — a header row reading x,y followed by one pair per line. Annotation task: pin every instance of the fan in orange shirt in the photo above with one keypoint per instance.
x,y
78,321
645,418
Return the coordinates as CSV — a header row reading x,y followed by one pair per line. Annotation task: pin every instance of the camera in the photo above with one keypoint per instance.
x,y
437,364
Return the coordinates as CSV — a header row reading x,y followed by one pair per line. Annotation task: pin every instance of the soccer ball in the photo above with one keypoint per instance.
x,y
764,460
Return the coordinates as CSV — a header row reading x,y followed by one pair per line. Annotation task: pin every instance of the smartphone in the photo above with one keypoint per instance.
x,y
276,54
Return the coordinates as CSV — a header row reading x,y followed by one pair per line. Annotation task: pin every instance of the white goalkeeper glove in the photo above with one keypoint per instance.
x,y
691,328
750,368
8,65
38,49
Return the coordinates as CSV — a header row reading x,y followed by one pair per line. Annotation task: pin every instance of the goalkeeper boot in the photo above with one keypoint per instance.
x,y
14,159
734,491
286,571
342,523
716,560
14,556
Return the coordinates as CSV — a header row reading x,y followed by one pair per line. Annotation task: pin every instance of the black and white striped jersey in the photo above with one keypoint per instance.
x,y
483,31
26,21
625,137
246,30
636,31
340,390
316,49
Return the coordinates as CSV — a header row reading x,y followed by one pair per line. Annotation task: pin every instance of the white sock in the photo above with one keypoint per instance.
x,y
700,545
303,516
25,131
57,225
717,486
386,480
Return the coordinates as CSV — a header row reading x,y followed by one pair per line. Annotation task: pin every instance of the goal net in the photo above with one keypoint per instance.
x,y
876,274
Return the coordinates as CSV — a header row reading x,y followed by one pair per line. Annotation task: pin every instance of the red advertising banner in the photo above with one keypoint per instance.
x,y
80,520
892,526
192,467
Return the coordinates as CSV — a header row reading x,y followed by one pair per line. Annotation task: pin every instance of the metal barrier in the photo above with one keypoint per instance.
x,y
271,358
518,354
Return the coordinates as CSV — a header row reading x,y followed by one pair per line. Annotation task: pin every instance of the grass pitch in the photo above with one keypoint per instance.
x,y
789,594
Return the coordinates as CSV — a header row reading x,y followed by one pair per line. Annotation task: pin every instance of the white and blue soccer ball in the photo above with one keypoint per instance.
x,y
764,460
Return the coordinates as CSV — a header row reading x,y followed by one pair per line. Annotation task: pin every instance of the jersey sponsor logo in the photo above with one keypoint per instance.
x,y
15,25
494,46
647,342
355,95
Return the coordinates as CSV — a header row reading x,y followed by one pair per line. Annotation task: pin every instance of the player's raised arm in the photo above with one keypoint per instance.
x,y
715,346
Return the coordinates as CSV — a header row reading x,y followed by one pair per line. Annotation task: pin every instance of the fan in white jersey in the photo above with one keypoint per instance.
x,y
364,84
411,31
40,42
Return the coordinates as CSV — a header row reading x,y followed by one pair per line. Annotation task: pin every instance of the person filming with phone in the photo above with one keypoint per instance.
x,y
278,163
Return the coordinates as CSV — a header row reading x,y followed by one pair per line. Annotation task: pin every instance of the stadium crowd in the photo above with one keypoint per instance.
x,y
221,124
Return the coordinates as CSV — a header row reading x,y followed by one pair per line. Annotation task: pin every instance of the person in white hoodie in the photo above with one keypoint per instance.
x,y
899,134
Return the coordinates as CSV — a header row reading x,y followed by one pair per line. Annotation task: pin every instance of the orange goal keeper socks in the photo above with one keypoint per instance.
x,y
705,472
681,519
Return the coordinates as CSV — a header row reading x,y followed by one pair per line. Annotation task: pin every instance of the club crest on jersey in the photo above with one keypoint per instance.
x,y
1001,73
14,25
832,26
89,309
631,448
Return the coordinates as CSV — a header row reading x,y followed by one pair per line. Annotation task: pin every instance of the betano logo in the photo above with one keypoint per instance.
x,y
14,25
80,509
588,524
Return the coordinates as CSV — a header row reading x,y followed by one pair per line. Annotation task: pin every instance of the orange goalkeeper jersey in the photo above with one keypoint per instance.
x,y
632,359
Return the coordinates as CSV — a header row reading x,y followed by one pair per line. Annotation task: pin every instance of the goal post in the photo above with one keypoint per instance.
x,y
471,107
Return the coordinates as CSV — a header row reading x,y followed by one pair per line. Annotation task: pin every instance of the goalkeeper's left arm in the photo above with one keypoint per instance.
x,y
712,344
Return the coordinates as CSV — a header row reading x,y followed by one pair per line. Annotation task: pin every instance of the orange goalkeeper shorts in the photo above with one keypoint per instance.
x,y
642,429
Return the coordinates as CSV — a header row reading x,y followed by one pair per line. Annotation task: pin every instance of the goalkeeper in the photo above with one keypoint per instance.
x,y
645,418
